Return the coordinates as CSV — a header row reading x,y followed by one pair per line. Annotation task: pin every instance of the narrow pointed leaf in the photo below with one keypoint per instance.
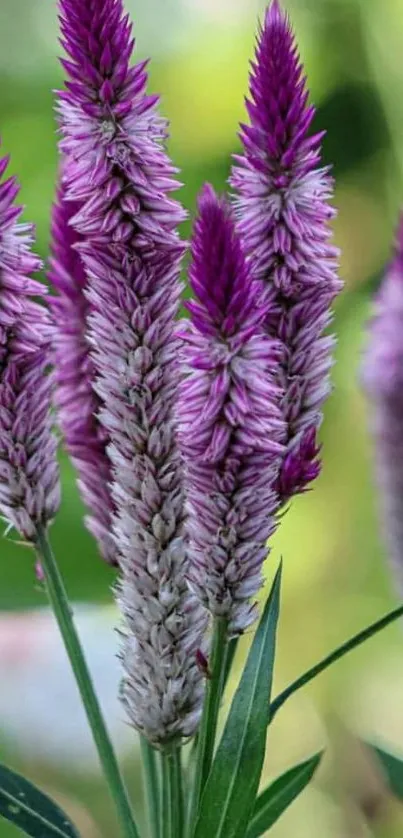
x,y
392,767
231,652
271,804
31,810
233,781
334,656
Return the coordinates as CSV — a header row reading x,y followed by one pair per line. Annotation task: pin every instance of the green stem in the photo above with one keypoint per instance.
x,y
179,790
320,667
63,613
229,660
151,784
171,814
211,708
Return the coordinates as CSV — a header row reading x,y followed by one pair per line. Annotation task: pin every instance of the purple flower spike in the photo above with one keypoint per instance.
x,y
382,376
231,425
113,135
121,177
76,401
29,477
283,218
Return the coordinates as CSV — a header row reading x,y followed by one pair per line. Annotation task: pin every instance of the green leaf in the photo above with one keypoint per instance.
x,y
334,656
392,767
31,810
233,781
231,652
271,804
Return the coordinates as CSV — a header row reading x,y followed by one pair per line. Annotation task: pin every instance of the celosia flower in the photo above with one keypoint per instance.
x,y
121,176
231,426
283,210
76,401
382,375
29,479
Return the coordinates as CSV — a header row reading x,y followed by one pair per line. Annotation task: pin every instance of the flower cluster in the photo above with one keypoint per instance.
x,y
283,217
254,367
231,426
186,440
382,376
29,478
119,174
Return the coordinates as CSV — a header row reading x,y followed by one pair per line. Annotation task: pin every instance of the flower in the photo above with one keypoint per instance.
x,y
29,478
76,401
231,426
113,136
121,176
136,356
382,377
283,216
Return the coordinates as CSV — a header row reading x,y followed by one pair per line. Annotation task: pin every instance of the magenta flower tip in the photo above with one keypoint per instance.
x,y
274,13
299,468
219,276
112,134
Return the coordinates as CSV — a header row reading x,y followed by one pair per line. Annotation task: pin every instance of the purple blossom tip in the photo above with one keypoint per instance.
x,y
283,214
29,478
382,377
113,135
219,276
273,13
231,427
299,468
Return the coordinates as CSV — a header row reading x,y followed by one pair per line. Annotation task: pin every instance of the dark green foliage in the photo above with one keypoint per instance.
x,y
271,804
233,782
31,810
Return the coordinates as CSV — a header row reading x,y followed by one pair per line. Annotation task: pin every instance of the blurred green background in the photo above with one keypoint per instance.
x,y
336,573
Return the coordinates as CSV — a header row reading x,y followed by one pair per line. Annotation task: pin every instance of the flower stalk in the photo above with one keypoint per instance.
x,y
64,617
172,801
211,708
151,778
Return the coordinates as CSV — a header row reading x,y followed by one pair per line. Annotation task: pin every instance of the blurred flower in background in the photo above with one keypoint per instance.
x,y
336,577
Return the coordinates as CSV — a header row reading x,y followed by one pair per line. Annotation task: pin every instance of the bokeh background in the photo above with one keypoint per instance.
x,y
336,573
